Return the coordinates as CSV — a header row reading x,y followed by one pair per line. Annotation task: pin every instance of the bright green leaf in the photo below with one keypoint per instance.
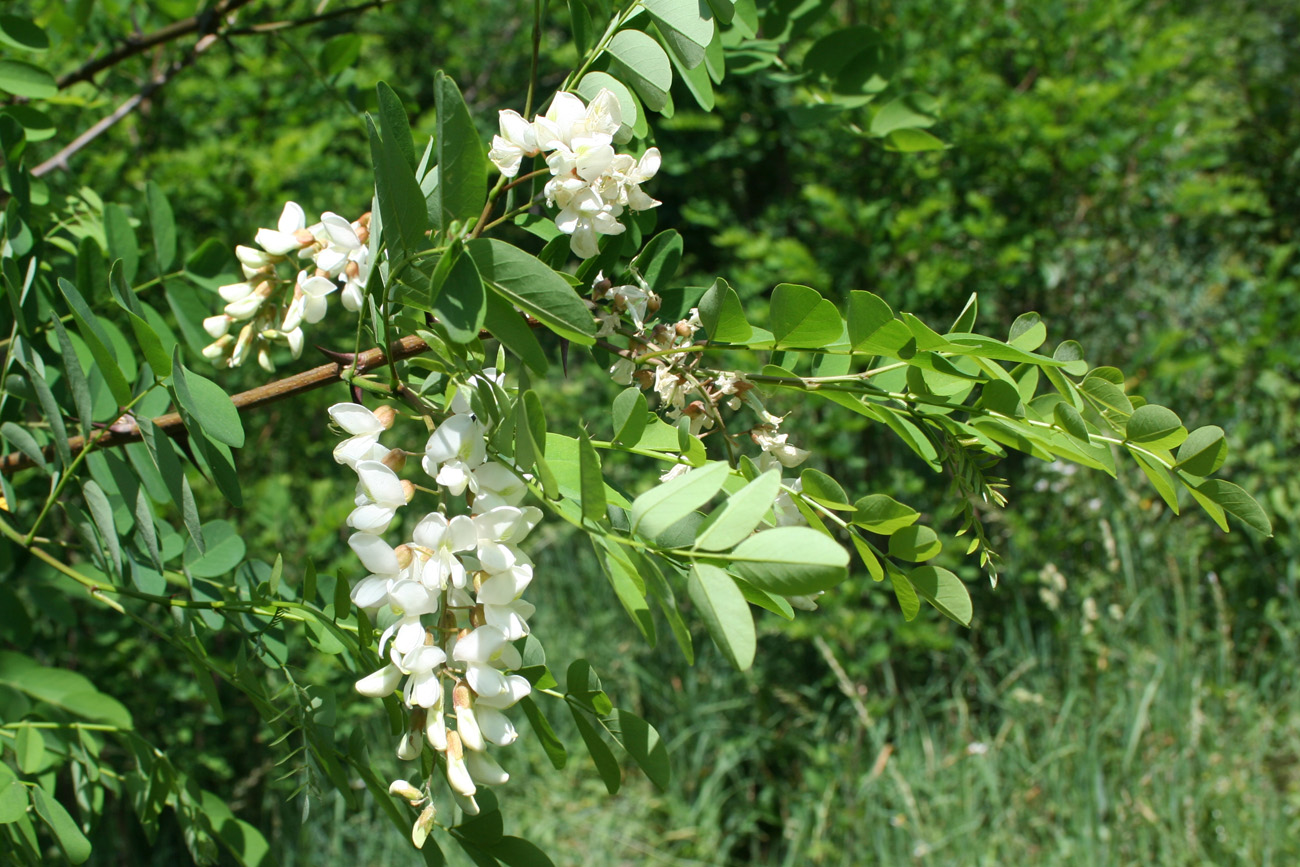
x,y
726,613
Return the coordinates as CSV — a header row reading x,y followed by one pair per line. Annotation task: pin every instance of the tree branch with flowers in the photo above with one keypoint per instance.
x,y
470,288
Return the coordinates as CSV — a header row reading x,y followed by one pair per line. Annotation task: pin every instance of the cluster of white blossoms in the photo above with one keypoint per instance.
x,y
590,183
451,595
272,307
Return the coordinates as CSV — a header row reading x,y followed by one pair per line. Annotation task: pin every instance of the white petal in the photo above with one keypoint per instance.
x,y
277,243
292,218
355,418
340,231
381,682
484,769
234,291
375,554
371,592
496,728
371,518
381,484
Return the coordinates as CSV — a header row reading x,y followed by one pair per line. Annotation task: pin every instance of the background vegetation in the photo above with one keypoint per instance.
x,y
1128,169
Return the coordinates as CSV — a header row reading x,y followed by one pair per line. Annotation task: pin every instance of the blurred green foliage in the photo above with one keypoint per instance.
x,y
1131,170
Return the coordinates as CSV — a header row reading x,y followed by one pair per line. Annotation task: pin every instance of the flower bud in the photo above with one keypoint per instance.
x,y
381,682
423,825
653,303
395,460
435,728
408,490
466,723
404,556
661,334
411,745
386,415
241,346
294,339
404,789
217,326
601,287
457,774
264,360
644,379
684,329
217,349
485,769
304,237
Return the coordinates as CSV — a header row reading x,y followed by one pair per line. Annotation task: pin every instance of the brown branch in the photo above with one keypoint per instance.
x,y
172,425
60,159
290,23
204,22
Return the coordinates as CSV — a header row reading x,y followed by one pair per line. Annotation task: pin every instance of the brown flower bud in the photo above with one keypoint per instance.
x,y
404,556
304,237
652,303
386,415
395,460
661,334
408,490
601,288
644,379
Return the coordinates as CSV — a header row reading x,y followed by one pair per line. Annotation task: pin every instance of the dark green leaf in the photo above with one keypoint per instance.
x,y
1204,451
207,404
644,745
630,413
404,216
723,316
878,513
821,488
460,303
66,832
22,33
1156,427
528,284
606,764
89,326
1234,500
551,744
24,442
163,224
801,317
593,483
944,591
511,328
462,162
916,543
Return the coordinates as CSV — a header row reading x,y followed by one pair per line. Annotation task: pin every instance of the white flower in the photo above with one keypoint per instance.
x,y
309,300
484,769
517,140
441,539
775,445
556,127
375,554
634,299
380,494
357,272
454,449
380,683
495,484
495,725
217,326
482,651
338,239
284,238
365,428
586,216
460,400
621,371
670,387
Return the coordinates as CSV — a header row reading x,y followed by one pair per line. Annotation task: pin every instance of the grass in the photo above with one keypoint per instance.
x,y
1147,726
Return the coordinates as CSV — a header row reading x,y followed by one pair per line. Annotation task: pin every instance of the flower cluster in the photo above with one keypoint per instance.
x,y
590,183
451,595
272,308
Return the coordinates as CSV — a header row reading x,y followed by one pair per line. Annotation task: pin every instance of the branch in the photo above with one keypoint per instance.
x,y
60,159
172,425
290,23
203,22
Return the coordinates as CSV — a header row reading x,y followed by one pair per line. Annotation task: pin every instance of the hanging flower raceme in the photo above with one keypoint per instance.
x,y
590,183
273,306
450,596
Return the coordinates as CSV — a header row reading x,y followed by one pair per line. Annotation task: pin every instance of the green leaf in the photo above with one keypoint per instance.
x,y
909,141
726,613
460,303
723,315
801,317
663,594
878,513
62,688
905,593
76,379
689,20
916,543
630,413
664,505
24,442
507,325
206,403
944,591
22,33
524,281
658,260
394,124
869,316
403,214
462,162
630,590
694,76
1160,478
791,561
1204,451
225,550
98,342
593,483
13,797
644,65
901,113
26,79
1235,501
102,514
1028,332
1106,393
606,764
821,488
163,224
546,736
644,745
1068,418
339,53
1155,426
515,851
122,243
74,844
733,521
29,748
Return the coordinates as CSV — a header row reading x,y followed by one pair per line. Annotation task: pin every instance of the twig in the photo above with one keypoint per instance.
x,y
290,23
60,159
172,425
204,22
